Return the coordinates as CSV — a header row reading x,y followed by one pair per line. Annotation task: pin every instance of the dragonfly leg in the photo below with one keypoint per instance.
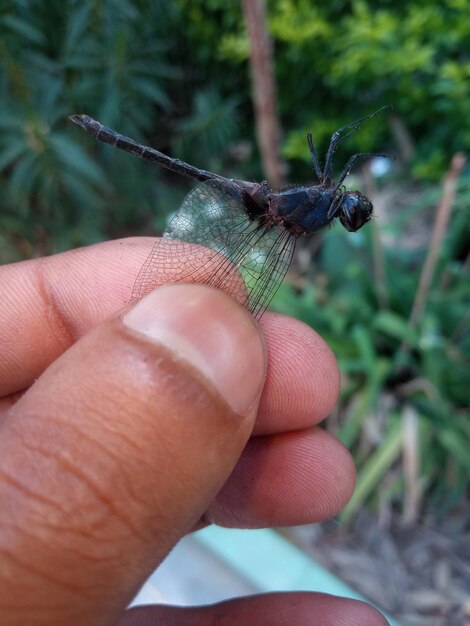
x,y
315,163
336,138
352,160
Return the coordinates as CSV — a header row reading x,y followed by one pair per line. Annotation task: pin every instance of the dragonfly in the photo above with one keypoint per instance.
x,y
237,235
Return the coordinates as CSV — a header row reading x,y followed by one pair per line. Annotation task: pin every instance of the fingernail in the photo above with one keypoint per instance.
x,y
209,330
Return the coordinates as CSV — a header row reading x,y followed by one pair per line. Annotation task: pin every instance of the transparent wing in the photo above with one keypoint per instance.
x,y
212,240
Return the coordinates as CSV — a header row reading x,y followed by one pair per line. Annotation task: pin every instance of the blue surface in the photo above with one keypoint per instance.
x,y
271,563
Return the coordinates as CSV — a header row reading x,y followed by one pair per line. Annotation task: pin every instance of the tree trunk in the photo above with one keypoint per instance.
x,y
264,91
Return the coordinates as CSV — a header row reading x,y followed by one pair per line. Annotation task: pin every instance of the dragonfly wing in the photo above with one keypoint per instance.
x,y
212,240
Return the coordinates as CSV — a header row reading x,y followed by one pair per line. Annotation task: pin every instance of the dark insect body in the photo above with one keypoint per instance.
x,y
238,235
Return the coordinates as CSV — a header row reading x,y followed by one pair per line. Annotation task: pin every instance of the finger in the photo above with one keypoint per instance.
x,y
299,478
7,402
284,480
50,303
117,450
303,381
275,609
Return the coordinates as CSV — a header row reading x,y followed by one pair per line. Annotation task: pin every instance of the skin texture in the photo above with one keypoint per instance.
x,y
122,428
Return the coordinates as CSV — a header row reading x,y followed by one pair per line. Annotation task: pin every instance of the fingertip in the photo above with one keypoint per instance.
x,y
303,378
297,608
314,479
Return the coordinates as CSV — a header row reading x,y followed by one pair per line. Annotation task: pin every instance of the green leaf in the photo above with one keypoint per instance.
x,y
364,342
75,158
457,446
395,326
360,410
24,177
11,153
25,29
151,91
373,471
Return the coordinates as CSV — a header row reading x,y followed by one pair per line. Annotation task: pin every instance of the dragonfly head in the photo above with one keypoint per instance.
x,y
354,210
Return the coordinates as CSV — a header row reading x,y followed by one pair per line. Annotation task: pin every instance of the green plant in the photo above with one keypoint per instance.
x,y
397,373
116,61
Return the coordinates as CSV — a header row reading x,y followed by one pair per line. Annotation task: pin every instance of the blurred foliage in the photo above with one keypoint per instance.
x,y
122,62
389,368
175,75
336,60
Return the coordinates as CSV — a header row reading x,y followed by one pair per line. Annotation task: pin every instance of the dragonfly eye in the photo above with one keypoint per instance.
x,y
355,210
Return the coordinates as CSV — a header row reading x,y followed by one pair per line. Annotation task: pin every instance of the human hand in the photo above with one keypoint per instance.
x,y
120,431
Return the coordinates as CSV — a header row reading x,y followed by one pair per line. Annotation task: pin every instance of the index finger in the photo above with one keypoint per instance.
x,y
50,303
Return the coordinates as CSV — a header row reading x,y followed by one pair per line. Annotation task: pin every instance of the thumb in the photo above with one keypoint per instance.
x,y
117,450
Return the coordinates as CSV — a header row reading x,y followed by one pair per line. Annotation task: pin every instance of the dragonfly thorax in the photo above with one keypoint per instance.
x,y
302,210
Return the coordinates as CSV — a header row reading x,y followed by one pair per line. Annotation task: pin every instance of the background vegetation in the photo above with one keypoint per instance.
x,y
175,75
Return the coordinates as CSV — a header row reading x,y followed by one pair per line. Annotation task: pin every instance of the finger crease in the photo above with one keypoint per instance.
x,y
61,324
